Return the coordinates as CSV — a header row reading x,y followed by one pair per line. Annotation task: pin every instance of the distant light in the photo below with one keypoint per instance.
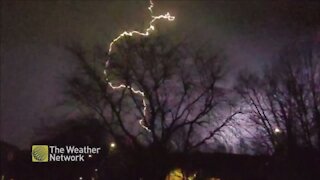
x,y
214,178
177,174
277,130
112,145
96,170
80,178
90,156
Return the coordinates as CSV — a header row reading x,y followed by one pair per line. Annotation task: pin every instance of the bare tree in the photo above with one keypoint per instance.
x,y
180,88
284,102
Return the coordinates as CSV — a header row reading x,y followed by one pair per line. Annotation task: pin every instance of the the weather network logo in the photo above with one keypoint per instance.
x,y
51,153
40,153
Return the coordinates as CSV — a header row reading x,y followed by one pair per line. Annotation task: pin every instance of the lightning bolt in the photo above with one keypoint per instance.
x,y
147,32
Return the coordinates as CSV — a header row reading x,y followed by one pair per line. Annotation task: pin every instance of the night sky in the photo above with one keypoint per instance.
x,y
34,33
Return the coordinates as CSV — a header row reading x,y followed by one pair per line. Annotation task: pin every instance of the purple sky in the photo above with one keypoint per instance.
x,y
33,34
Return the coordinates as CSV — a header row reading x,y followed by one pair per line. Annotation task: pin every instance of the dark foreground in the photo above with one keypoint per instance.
x,y
17,164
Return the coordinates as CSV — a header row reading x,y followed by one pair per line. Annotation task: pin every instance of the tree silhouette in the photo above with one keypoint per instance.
x,y
284,102
180,86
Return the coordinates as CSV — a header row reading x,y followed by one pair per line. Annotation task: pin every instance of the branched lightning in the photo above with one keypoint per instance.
x,y
147,32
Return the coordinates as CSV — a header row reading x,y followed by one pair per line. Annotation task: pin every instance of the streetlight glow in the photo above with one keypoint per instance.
x,y
112,145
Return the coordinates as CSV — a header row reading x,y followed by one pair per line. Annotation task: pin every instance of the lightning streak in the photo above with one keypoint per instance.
x,y
147,32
